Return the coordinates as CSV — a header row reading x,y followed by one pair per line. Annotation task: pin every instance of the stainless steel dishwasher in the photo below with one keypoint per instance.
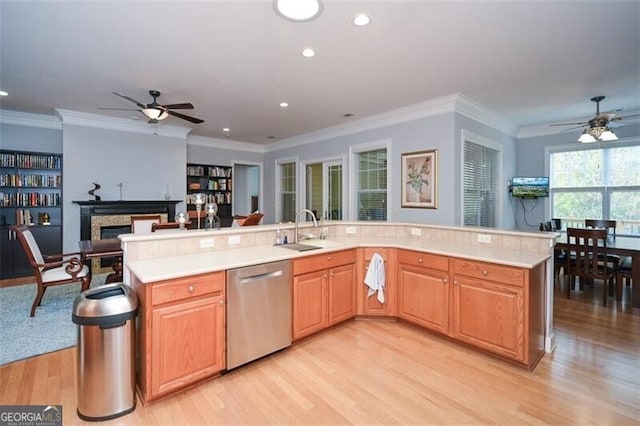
x,y
258,311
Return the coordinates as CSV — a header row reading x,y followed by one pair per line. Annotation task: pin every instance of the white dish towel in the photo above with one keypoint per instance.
x,y
375,277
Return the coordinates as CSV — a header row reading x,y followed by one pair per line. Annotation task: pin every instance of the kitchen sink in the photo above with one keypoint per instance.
x,y
300,247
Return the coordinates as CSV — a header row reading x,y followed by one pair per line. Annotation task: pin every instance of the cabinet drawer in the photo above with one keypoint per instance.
x,y
186,288
490,272
369,251
426,260
323,261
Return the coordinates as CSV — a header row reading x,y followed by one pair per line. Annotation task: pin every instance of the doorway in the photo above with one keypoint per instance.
x,y
323,189
247,188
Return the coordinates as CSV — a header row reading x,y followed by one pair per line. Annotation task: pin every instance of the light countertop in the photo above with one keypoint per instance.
x,y
153,270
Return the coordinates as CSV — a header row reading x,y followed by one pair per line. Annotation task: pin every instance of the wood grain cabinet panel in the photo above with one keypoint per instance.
x,y
181,333
323,292
423,290
370,305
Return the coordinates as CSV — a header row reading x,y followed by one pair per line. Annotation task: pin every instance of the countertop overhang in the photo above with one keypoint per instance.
x,y
153,270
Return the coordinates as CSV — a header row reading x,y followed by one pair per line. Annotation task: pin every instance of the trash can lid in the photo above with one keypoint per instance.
x,y
106,300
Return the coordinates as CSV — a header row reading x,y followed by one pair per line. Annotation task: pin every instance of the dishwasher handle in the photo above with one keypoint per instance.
x,y
261,277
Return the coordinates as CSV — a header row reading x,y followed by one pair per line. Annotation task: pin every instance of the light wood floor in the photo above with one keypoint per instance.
x,y
375,371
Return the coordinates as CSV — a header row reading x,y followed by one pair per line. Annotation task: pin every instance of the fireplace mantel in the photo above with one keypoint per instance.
x,y
91,208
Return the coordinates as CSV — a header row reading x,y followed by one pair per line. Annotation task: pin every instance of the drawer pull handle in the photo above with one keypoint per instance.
x,y
420,260
191,289
485,272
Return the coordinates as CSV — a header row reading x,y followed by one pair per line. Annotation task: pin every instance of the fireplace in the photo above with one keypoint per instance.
x,y
108,219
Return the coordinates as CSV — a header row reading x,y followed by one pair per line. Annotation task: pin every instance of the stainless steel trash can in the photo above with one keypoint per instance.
x,y
106,351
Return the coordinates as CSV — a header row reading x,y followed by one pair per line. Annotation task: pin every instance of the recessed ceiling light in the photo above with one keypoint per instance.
x,y
3,93
348,114
226,129
284,104
308,53
361,20
298,10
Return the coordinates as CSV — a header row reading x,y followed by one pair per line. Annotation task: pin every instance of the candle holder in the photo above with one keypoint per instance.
x,y
212,210
182,219
198,199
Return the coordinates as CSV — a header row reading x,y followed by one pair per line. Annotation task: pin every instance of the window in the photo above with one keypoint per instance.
x,y
371,184
288,192
481,176
597,183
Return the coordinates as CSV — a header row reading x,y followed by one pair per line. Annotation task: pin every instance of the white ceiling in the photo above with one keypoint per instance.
x,y
531,62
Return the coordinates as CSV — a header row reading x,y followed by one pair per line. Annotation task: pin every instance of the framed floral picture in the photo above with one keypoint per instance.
x,y
419,174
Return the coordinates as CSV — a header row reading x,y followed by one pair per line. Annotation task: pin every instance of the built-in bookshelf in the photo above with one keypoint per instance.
x,y
30,194
215,182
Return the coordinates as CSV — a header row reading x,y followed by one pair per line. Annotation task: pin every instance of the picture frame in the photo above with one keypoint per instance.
x,y
419,179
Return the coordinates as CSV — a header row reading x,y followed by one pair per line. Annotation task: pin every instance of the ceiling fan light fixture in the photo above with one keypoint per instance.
x,y
155,113
586,137
608,135
298,10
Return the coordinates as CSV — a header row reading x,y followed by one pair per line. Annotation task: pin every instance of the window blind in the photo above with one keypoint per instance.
x,y
481,174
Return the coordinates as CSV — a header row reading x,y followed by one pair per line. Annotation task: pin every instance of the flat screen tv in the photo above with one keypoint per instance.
x,y
530,187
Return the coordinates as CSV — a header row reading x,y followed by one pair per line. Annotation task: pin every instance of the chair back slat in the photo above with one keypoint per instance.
x,y
589,246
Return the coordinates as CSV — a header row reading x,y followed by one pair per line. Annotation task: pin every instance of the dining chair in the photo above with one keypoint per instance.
x,y
592,261
49,271
142,224
623,274
609,225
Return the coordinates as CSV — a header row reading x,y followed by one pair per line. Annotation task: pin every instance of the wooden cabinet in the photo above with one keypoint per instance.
x,y
499,309
181,333
369,305
423,289
216,183
30,193
323,291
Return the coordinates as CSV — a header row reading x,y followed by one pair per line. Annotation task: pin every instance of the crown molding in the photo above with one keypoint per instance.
x,y
457,103
473,110
432,107
96,121
17,118
225,144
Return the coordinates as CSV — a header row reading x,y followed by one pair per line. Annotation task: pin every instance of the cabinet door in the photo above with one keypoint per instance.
x,y
187,343
490,316
309,303
423,297
342,295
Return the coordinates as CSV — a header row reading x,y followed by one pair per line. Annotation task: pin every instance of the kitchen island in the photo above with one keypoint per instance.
x,y
491,296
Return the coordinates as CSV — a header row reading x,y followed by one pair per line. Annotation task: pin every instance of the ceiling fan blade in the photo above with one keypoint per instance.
x,y
569,124
141,105
118,109
185,117
186,105
571,129
624,117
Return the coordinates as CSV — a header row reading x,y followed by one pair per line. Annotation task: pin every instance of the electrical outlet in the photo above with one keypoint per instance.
x,y
484,238
350,230
207,243
234,239
416,231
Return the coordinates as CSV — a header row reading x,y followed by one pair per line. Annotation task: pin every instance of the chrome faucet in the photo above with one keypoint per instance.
x,y
313,217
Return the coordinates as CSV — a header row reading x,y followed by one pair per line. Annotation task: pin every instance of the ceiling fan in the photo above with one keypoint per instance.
x,y
156,112
597,128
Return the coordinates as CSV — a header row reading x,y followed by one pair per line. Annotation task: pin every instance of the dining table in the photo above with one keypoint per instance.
x,y
621,246
110,247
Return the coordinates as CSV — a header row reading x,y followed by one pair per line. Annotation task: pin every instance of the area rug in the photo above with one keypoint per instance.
x,y
51,328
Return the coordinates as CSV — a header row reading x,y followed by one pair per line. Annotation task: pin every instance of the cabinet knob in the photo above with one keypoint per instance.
x,y
420,260
445,280
221,302
455,282
328,257
485,272
191,289
332,274
366,268
324,275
